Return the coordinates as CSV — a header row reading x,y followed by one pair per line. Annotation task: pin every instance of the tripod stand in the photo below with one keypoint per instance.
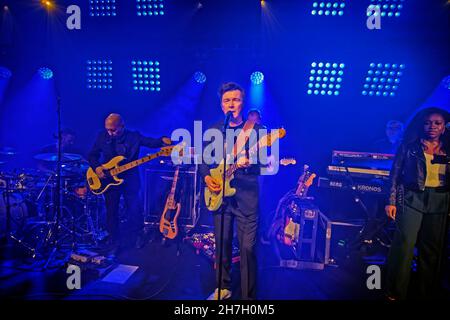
x,y
372,230
57,197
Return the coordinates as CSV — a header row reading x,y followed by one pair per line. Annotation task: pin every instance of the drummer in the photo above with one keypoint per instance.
x,y
68,138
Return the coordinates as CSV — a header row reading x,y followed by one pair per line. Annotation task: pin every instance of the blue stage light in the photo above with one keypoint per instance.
x,y
257,77
199,77
328,81
99,74
381,77
150,8
142,71
328,7
45,73
102,8
388,8
5,73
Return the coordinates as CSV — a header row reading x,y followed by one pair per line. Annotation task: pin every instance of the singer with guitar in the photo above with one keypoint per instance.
x,y
115,141
242,206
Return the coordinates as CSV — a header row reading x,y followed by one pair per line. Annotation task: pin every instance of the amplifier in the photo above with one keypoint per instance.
x,y
158,182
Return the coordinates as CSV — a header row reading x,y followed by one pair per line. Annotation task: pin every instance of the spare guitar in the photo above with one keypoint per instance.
x,y
113,168
291,229
214,200
168,223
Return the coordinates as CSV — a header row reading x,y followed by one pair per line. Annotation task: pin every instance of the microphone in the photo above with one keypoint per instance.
x,y
447,126
227,119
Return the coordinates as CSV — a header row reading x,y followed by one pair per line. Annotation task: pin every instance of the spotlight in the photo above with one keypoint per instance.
x,y
5,73
5,8
327,78
387,8
45,73
99,74
200,77
328,7
152,7
145,75
47,4
257,77
102,8
384,77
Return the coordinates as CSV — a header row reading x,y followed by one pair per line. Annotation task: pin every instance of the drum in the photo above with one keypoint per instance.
x,y
19,211
29,180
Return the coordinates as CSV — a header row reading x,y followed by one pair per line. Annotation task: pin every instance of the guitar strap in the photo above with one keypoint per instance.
x,y
243,137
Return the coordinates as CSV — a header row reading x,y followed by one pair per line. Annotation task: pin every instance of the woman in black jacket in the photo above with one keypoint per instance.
x,y
419,204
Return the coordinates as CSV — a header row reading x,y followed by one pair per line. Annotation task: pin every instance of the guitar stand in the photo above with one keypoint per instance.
x,y
165,242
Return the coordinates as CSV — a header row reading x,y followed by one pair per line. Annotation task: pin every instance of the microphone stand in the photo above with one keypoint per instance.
x,y
58,196
222,210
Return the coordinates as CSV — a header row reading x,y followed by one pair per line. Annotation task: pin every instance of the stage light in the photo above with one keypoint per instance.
x,y
146,75
152,7
5,8
45,73
329,78
257,77
328,7
99,74
388,8
382,79
47,4
200,77
5,73
102,8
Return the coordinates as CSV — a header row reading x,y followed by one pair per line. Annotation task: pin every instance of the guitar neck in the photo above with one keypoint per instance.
x,y
260,144
301,190
133,164
174,185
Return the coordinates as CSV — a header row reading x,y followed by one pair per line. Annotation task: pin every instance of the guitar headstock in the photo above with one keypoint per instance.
x,y
288,161
275,134
310,180
179,149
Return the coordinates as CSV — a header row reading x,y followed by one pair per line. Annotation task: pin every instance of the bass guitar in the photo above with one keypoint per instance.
x,y
113,168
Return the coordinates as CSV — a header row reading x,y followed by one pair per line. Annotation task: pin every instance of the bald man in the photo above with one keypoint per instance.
x,y
114,141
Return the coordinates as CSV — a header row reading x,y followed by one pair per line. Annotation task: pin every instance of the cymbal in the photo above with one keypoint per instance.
x,y
7,151
53,157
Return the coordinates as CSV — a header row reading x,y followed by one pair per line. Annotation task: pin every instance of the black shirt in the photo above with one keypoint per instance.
x,y
128,145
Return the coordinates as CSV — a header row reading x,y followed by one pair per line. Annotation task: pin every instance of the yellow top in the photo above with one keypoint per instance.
x,y
435,173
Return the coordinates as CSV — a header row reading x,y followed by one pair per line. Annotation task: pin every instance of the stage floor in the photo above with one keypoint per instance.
x,y
176,272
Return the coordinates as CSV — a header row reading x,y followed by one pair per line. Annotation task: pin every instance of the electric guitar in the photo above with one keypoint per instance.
x,y
291,229
214,200
168,223
113,168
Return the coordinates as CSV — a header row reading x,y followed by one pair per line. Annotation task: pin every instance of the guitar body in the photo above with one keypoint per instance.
x,y
214,200
291,232
99,186
168,223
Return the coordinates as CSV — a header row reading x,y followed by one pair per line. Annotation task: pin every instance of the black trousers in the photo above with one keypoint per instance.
x,y
421,221
247,225
130,192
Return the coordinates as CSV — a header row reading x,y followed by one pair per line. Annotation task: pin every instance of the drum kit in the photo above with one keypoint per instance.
x,y
29,215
